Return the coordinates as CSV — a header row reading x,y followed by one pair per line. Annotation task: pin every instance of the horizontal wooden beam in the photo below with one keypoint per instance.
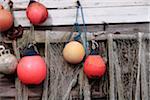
x,y
11,92
56,36
61,36
92,16
22,4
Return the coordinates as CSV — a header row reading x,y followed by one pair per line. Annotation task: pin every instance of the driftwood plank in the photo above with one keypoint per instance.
x,y
92,16
22,4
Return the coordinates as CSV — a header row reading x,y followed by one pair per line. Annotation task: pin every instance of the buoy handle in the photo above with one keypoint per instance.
x,y
2,48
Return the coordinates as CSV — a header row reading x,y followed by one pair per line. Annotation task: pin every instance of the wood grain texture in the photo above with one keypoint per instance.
x,y
61,36
111,68
137,92
144,74
92,16
22,4
11,92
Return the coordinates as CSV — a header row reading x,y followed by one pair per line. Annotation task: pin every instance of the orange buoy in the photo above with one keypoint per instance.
x,y
74,52
6,19
31,69
37,13
94,66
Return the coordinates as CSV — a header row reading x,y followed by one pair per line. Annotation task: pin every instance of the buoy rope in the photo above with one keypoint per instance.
x,y
77,28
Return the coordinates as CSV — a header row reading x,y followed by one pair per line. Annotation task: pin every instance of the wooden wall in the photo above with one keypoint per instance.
x,y
125,17
62,12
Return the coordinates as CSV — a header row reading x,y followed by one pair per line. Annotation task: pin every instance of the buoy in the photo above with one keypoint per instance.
x,y
37,13
6,19
8,62
31,70
74,52
94,66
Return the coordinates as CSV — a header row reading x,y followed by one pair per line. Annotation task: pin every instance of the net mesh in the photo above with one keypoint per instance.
x,y
126,55
63,77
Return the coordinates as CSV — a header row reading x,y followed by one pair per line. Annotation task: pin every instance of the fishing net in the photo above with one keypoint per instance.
x,y
131,69
62,76
125,63
64,79
130,59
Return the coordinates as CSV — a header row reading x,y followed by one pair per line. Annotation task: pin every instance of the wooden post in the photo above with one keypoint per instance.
x,y
149,66
144,74
111,68
137,92
45,87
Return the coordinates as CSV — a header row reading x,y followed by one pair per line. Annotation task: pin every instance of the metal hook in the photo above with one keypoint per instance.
x,y
10,3
78,3
105,26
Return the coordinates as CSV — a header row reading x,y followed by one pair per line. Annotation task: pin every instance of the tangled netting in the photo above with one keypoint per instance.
x,y
131,69
126,59
62,75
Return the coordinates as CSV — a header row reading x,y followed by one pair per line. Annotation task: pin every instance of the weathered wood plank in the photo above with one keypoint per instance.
x,y
11,92
123,28
92,16
144,74
22,4
61,36
46,82
137,92
111,68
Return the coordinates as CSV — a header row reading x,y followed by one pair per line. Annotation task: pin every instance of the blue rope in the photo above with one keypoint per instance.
x,y
78,29
85,32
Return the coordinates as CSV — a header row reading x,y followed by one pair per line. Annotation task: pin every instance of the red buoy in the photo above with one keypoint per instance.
x,y
94,66
6,19
37,13
31,69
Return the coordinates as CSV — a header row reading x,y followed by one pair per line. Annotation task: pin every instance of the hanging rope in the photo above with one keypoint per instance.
x,y
77,28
